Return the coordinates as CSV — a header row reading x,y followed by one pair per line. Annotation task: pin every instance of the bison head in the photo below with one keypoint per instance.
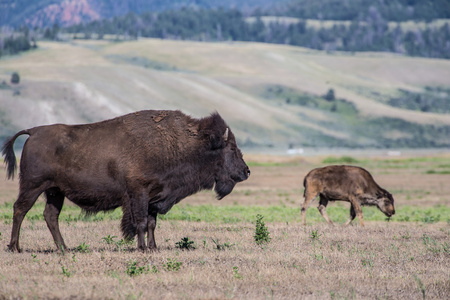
x,y
232,168
385,203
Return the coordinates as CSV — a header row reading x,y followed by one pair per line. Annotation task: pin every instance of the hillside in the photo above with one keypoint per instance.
x,y
269,94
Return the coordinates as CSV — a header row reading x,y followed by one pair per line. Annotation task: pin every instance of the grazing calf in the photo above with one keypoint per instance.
x,y
345,183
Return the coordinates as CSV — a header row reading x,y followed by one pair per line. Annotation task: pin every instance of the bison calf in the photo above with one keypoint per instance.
x,y
345,183
145,162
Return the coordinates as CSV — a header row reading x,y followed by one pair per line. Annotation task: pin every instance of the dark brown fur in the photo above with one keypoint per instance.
x,y
345,183
144,162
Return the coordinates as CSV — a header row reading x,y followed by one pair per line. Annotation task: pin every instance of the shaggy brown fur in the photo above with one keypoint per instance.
x,y
144,162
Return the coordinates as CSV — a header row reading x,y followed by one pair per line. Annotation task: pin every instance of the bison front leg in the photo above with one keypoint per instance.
x,y
140,214
55,201
135,219
357,209
151,231
323,209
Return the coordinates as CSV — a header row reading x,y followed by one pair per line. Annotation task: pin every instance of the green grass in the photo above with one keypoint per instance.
x,y
229,214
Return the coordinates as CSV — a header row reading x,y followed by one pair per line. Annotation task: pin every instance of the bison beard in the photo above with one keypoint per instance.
x,y
145,162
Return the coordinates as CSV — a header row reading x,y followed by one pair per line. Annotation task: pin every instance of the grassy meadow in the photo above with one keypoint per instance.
x,y
208,249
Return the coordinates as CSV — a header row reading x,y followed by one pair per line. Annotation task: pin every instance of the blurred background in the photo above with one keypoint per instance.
x,y
290,76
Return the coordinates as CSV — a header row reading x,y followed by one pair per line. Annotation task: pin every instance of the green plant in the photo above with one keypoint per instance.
x,y
34,256
406,235
120,244
65,271
236,273
185,244
133,269
220,246
109,239
421,286
315,235
154,270
82,248
172,265
262,234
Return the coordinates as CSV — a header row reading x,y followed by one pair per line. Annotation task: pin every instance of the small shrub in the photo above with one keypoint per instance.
x,y
82,248
154,270
220,246
133,269
262,234
420,285
185,244
15,78
65,271
406,235
172,265
236,273
109,239
315,235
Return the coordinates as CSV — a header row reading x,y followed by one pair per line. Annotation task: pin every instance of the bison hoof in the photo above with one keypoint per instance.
x,y
14,248
153,250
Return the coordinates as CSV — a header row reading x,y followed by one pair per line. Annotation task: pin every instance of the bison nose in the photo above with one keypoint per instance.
x,y
247,172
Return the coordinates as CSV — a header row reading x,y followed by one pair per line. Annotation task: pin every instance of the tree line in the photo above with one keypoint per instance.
x,y
367,27
14,42
369,33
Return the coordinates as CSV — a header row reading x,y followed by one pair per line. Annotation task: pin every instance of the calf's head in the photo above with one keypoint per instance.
x,y
231,167
385,202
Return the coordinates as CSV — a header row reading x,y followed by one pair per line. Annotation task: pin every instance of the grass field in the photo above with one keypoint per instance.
x,y
406,257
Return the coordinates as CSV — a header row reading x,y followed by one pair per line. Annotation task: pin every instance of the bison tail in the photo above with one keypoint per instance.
x,y
8,153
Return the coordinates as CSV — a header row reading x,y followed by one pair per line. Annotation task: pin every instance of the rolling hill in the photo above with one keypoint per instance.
x,y
271,95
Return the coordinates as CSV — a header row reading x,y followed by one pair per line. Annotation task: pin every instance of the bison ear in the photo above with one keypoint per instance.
x,y
218,141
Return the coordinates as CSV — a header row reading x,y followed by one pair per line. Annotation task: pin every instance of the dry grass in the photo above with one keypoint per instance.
x,y
383,260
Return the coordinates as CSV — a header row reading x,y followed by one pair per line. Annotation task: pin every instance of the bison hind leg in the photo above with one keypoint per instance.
x,y
24,202
309,196
352,215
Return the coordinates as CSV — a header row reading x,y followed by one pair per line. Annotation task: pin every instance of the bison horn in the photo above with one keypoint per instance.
x,y
225,135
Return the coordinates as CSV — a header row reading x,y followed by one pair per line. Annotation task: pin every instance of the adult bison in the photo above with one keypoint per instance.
x,y
144,162
345,183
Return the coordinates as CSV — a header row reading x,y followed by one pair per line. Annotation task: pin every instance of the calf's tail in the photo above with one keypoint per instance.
x,y
10,156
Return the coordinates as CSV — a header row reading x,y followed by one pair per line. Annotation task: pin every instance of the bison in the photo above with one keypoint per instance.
x,y
145,162
345,183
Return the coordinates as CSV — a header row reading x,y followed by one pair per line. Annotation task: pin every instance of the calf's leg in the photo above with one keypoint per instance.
x,y
357,208
352,215
322,209
55,201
